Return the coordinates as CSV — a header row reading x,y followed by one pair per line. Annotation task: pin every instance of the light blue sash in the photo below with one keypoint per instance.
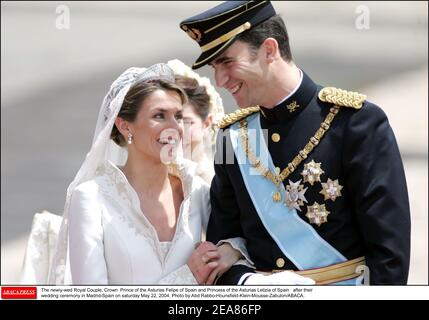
x,y
296,238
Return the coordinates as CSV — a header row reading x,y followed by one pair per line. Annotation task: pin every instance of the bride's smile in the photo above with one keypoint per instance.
x,y
157,129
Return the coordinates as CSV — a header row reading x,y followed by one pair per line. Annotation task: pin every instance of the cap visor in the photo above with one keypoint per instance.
x,y
209,55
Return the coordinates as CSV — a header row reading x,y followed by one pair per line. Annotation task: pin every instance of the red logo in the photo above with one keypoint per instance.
x,y
19,292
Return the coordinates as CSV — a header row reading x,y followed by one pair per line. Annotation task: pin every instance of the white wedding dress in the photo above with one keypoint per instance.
x,y
111,240
40,248
103,237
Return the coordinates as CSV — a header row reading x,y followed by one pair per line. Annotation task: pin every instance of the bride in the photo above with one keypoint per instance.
x,y
135,212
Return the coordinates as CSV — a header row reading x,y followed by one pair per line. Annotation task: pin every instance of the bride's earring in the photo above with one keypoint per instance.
x,y
130,138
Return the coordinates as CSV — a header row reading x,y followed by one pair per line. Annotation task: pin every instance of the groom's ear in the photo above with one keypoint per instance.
x,y
271,50
122,126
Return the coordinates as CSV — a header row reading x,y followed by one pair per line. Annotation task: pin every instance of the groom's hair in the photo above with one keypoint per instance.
x,y
275,28
134,99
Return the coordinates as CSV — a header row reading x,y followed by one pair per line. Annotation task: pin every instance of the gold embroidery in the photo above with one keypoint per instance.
x,y
226,37
233,17
292,106
194,33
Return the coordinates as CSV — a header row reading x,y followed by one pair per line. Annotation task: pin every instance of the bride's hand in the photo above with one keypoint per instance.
x,y
228,256
203,260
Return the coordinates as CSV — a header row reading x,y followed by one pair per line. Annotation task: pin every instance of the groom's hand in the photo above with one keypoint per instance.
x,y
227,257
202,261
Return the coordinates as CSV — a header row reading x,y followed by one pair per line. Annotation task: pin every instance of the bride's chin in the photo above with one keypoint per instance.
x,y
168,154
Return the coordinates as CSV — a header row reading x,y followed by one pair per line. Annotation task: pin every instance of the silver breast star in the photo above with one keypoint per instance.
x,y
295,195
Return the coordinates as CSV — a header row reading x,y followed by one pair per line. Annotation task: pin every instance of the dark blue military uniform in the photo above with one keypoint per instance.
x,y
371,217
358,158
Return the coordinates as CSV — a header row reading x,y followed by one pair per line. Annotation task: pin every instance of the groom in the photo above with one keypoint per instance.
x,y
321,190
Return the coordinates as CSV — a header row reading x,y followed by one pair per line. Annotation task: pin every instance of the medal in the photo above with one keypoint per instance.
x,y
331,189
317,214
312,172
295,195
277,197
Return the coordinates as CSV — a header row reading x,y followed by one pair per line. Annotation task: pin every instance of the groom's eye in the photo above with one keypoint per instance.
x,y
159,116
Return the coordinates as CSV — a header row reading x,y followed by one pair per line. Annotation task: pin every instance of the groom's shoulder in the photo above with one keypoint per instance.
x,y
235,116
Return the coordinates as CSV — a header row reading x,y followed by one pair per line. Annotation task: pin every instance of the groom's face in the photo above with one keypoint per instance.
x,y
158,128
241,71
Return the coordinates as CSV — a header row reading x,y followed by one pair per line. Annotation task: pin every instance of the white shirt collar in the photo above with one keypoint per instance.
x,y
294,90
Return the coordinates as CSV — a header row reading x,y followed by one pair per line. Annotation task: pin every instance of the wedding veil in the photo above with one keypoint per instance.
x,y
103,148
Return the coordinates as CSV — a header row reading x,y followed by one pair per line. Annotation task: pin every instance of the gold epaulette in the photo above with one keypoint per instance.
x,y
341,97
235,116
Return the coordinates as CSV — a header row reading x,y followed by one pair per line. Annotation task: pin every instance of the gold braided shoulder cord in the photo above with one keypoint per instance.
x,y
236,115
275,178
342,97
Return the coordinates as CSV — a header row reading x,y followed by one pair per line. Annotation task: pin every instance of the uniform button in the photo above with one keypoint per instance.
x,y
280,262
277,170
275,137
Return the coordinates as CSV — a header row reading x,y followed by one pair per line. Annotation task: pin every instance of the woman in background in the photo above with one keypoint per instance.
x,y
203,110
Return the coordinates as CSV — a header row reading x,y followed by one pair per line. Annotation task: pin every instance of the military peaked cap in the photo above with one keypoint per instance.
x,y
216,29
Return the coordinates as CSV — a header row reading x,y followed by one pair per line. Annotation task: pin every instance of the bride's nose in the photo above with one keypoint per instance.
x,y
172,133
176,125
